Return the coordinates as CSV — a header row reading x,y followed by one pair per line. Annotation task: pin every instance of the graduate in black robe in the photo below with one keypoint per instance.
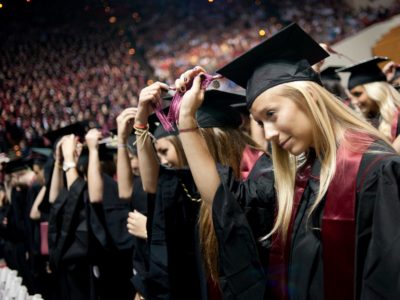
x,y
70,238
336,228
16,228
130,189
375,98
112,249
176,195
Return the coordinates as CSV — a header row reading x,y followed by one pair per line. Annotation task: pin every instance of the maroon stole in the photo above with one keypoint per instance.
x,y
338,229
249,158
394,126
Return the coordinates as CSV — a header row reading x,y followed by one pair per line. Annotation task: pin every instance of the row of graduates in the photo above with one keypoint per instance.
x,y
314,217
63,224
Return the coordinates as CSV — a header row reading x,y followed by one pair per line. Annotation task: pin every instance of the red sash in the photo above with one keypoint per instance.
x,y
279,259
249,158
338,229
394,126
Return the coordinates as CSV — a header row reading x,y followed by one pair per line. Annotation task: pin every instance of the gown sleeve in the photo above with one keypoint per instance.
x,y
242,213
68,227
378,259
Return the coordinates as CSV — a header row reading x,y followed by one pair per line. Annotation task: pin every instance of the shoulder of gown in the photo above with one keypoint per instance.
x,y
378,223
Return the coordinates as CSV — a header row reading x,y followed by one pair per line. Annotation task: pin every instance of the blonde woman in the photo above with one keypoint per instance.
x,y
375,98
336,230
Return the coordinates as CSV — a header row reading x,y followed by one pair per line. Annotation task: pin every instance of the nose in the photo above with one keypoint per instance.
x,y
270,133
164,161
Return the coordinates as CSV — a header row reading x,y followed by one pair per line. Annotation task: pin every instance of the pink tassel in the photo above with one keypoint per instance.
x,y
168,121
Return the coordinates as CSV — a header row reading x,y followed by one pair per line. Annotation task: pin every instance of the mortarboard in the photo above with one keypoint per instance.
x,y
105,153
79,129
18,164
365,72
40,156
217,110
330,73
285,57
42,151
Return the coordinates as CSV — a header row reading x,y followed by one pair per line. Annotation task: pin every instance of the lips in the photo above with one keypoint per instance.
x,y
282,144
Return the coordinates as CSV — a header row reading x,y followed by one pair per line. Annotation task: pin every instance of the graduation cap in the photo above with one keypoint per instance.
x,y
330,73
285,57
365,72
18,164
40,156
47,152
79,129
217,110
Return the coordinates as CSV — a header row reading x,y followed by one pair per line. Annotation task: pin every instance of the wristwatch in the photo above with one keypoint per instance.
x,y
68,165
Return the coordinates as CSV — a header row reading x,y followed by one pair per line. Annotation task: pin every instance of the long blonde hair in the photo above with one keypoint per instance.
x,y
331,119
226,146
388,101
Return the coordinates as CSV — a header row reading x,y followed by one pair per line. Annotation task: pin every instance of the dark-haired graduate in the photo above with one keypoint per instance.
x,y
183,247
336,232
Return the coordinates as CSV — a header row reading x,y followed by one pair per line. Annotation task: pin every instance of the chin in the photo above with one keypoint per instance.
x,y
297,151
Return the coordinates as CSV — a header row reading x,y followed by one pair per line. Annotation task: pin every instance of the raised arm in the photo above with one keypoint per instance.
x,y
124,173
201,163
35,212
95,175
148,161
70,155
57,179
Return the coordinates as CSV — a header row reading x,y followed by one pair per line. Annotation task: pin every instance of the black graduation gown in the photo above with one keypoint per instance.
x,y
377,235
243,212
69,244
175,266
16,234
111,250
140,257
37,262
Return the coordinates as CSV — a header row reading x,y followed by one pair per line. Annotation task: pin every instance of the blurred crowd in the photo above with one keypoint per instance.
x,y
53,76
217,34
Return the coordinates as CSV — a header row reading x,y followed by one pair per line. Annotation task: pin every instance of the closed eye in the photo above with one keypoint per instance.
x,y
356,94
270,114
162,151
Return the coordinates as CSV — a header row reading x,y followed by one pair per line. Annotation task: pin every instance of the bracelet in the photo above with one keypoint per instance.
x,y
140,126
122,145
142,135
188,129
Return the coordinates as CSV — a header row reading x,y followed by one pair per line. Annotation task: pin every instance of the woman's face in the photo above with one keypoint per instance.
x,y
39,171
363,102
166,152
284,122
